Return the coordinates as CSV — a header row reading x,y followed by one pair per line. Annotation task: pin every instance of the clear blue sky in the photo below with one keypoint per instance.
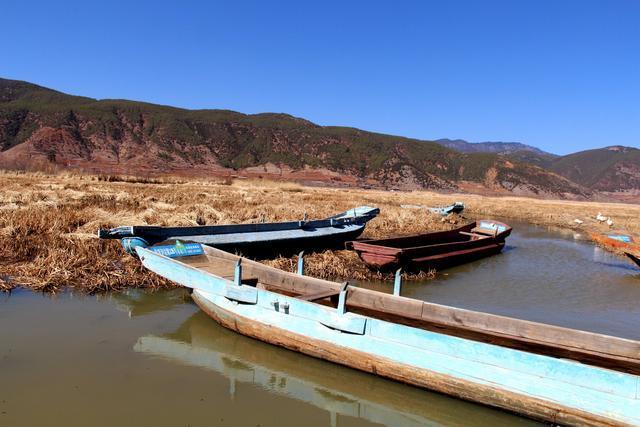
x,y
561,75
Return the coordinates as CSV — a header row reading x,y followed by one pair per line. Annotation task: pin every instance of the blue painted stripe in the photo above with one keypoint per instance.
x,y
620,237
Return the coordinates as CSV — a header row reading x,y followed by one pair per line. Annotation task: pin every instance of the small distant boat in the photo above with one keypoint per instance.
x,y
618,242
541,371
437,250
271,237
455,208
615,240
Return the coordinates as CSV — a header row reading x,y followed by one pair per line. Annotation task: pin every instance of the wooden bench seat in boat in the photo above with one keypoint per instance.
x,y
484,231
220,267
479,236
334,294
319,295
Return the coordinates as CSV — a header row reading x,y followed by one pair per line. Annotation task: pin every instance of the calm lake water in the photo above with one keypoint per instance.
x,y
143,358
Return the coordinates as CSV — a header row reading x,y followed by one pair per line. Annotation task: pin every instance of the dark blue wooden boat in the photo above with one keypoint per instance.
x,y
274,237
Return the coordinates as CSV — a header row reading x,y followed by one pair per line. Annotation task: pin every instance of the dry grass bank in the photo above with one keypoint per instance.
x,y
48,223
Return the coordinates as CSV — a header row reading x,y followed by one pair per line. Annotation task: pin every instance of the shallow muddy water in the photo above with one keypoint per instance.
x,y
143,358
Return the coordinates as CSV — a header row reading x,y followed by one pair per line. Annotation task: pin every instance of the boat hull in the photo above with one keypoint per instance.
x,y
475,391
257,240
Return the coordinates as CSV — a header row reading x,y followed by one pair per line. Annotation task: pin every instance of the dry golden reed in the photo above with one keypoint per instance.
x,y
48,223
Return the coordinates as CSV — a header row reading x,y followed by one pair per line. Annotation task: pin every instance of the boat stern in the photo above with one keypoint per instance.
x,y
375,256
492,228
361,214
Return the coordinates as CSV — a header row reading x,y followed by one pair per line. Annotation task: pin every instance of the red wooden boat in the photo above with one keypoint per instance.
x,y
434,250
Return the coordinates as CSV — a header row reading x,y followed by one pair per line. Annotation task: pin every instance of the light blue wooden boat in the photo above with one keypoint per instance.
x,y
279,237
323,319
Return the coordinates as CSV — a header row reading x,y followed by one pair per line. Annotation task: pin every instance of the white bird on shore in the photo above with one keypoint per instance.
x,y
578,221
609,222
601,217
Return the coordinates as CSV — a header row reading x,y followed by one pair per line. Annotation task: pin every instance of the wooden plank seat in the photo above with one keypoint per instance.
x,y
219,267
319,295
480,236
485,231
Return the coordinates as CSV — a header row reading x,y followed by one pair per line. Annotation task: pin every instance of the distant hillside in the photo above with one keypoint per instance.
x,y
490,147
610,169
540,159
40,127
514,151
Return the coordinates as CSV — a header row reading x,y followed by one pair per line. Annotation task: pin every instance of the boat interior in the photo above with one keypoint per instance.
x,y
468,232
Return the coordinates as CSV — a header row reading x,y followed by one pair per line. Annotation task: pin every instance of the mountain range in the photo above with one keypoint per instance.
x,y
43,128
490,147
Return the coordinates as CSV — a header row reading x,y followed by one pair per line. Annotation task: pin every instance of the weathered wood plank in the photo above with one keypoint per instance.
x,y
318,295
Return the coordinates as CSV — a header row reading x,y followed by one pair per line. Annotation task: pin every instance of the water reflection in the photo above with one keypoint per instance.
x,y
605,258
138,302
201,343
